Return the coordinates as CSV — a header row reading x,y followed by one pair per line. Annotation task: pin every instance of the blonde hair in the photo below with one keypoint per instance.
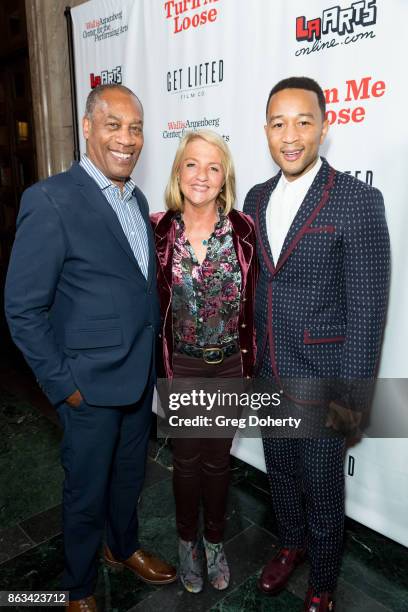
x,y
174,198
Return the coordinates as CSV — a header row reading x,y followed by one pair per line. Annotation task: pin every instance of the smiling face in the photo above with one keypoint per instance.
x,y
201,174
114,134
295,130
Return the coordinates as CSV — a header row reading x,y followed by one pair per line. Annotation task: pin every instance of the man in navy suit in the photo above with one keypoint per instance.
x,y
81,305
320,308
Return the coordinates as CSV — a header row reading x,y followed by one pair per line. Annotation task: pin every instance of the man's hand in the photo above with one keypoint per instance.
x,y
74,399
343,420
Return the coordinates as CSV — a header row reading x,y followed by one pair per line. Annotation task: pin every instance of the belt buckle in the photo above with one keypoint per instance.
x,y
212,350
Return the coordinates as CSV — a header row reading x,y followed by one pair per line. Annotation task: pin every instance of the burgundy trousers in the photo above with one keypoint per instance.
x,y
201,466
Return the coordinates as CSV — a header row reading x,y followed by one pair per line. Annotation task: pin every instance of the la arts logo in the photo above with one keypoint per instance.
x,y
345,25
106,77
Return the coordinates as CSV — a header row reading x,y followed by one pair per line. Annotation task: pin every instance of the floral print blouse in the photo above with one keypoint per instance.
x,y
206,297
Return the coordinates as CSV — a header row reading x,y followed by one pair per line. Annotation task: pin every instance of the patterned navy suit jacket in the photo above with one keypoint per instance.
x,y
320,309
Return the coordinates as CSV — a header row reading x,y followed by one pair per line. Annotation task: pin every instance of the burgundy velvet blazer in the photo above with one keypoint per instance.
x,y
244,242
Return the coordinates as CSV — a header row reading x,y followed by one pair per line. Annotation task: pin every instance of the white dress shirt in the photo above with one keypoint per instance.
x,y
283,205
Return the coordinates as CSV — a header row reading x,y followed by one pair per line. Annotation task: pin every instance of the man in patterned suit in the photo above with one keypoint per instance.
x,y
321,300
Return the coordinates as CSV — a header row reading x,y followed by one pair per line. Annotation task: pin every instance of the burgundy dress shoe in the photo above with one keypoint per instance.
x,y
148,568
83,605
278,570
319,602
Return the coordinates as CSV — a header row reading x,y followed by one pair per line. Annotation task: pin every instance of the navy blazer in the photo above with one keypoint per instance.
x,y
320,309
77,304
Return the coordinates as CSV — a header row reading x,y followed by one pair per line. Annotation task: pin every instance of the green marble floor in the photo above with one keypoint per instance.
x,y
374,575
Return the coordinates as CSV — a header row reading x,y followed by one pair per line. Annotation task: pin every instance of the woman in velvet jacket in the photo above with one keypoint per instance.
x,y
206,277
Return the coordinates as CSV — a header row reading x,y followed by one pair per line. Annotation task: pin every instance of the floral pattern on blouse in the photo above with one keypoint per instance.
x,y
206,297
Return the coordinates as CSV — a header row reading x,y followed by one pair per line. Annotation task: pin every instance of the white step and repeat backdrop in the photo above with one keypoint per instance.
x,y
212,63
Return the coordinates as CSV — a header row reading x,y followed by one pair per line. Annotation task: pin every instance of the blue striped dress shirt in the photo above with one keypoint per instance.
x,y
126,208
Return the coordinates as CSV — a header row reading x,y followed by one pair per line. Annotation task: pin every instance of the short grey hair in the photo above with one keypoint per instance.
x,y
95,95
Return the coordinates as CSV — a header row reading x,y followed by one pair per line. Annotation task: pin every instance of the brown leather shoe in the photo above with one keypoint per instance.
x,y
148,568
278,570
83,605
319,602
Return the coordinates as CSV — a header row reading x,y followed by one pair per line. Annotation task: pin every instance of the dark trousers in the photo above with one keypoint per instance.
x,y
201,466
103,454
306,478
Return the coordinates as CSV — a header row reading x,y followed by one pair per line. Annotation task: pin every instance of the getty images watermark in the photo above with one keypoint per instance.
x,y
203,407
305,408
214,401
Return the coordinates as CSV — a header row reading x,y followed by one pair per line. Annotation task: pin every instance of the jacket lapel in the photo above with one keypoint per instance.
x,y
261,225
165,236
92,194
243,248
315,199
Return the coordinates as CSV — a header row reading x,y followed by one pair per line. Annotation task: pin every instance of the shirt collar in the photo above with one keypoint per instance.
x,y
102,181
222,218
303,183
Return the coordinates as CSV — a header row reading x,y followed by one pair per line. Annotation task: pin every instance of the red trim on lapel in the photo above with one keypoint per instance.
x,y
265,254
324,199
273,271
268,263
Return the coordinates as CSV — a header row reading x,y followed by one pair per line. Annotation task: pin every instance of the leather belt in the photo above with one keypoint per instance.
x,y
211,354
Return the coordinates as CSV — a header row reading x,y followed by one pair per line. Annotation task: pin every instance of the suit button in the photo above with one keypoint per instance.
x,y
244,350
160,335
243,325
247,377
243,300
